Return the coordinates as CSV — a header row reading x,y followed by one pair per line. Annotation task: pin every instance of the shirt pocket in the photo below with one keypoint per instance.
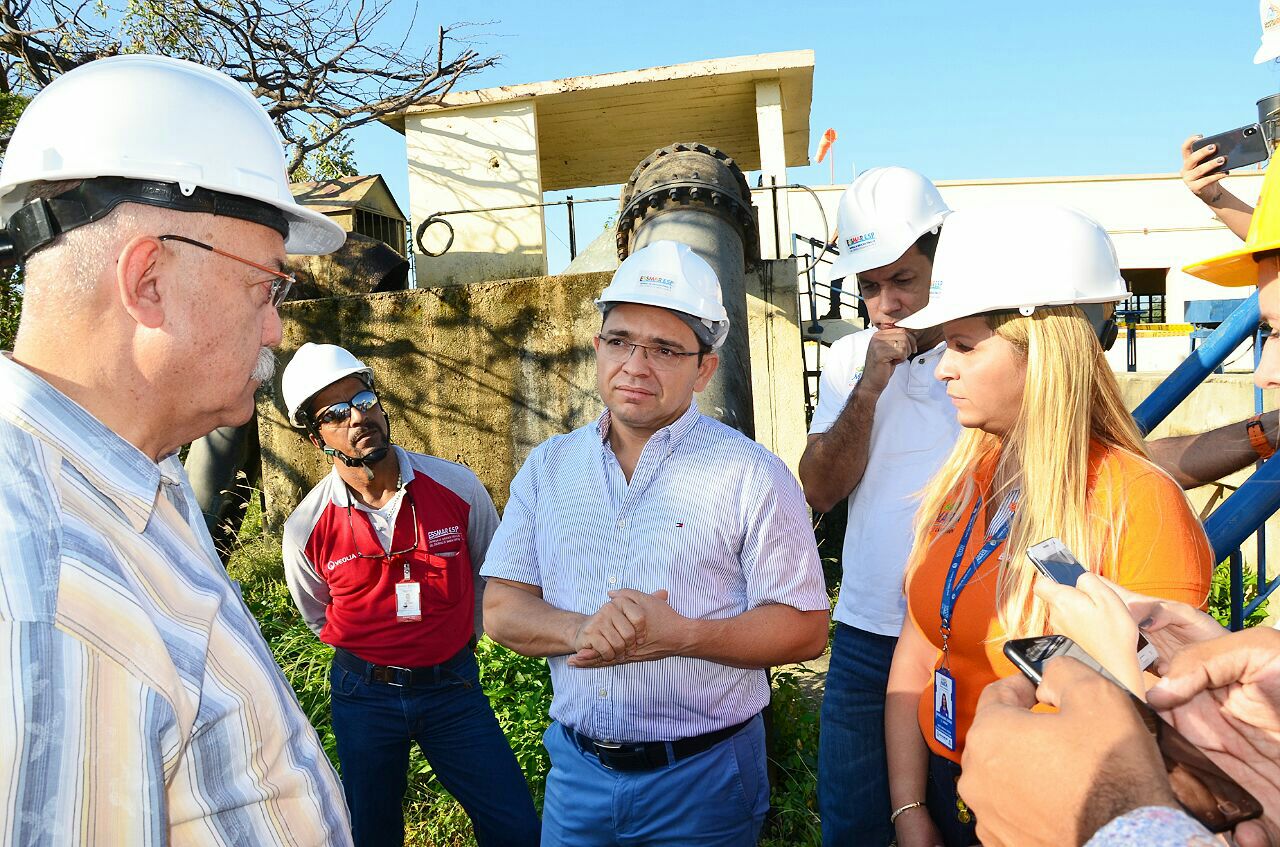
x,y
443,577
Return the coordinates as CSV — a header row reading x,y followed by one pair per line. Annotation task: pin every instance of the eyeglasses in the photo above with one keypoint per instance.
x,y
280,283
340,412
390,553
617,350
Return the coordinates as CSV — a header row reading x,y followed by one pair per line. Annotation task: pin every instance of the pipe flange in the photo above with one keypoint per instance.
x,y
688,175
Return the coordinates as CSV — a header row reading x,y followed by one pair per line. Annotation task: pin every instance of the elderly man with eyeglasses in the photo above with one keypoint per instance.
x,y
662,561
141,703
381,558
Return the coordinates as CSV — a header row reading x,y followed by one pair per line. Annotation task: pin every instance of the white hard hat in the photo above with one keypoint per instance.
x,y
159,120
1018,256
314,368
670,275
1269,15
881,215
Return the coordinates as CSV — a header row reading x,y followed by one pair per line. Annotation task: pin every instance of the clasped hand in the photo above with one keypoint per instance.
x,y
632,627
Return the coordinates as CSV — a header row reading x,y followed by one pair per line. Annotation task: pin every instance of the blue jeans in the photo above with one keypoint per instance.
x,y
940,798
853,770
452,721
716,798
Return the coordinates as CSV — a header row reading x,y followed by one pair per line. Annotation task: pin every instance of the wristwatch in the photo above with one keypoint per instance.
x,y
1258,438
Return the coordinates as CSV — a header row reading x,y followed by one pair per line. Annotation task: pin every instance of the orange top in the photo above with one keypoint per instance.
x,y
1163,551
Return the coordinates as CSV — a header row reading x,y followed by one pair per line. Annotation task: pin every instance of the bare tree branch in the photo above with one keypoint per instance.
x,y
318,66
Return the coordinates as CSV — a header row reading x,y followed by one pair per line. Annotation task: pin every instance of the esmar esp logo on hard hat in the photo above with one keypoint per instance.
x,y
661,282
866,239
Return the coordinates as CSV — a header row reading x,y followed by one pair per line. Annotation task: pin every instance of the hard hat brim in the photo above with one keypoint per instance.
x,y
1269,49
310,233
1232,270
937,315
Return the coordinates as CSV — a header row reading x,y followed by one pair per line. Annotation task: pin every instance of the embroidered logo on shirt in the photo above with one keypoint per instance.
x,y
679,525
446,535
857,375
341,561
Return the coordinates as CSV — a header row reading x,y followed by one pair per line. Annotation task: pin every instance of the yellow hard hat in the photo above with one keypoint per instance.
x,y
1238,267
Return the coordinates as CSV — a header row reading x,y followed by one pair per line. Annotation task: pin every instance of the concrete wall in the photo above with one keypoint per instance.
x,y
477,374
777,363
480,158
1218,401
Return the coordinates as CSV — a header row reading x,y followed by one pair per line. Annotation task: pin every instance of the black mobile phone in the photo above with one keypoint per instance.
x,y
1200,786
1052,558
1054,561
1246,145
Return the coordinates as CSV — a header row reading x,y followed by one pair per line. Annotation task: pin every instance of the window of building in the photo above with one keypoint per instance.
x,y
386,229
1148,293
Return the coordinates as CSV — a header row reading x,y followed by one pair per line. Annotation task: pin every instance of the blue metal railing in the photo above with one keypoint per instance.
x,y
1247,509
1229,335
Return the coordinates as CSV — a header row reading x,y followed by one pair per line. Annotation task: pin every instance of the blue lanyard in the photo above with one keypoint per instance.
x,y
951,590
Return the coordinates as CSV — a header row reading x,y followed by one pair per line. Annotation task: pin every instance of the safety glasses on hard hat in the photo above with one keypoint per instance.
x,y
340,412
280,283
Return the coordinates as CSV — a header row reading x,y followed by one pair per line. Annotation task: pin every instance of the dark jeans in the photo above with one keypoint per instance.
x,y
940,797
452,721
853,772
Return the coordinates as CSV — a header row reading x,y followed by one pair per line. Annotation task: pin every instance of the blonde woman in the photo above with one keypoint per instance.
x,y
1048,450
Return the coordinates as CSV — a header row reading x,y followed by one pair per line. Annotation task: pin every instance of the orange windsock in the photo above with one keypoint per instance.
x,y
824,146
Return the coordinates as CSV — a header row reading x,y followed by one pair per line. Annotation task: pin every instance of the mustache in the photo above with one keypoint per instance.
x,y
265,367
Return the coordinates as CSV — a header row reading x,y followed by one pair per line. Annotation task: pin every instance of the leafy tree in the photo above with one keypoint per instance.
x,y
11,106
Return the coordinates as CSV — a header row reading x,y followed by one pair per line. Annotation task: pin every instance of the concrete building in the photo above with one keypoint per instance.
x,y
361,204
500,149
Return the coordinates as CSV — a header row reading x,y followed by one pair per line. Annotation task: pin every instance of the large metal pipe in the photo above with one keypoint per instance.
x,y
696,195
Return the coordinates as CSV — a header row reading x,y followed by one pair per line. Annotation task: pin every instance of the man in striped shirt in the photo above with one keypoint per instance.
x,y
139,704
661,561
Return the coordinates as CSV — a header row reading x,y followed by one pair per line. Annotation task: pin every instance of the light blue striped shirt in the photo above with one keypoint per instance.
x,y
139,704
709,515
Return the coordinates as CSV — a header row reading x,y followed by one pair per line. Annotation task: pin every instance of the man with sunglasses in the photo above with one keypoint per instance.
x,y
147,200
381,558
662,561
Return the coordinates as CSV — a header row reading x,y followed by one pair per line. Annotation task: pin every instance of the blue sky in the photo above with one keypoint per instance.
x,y
954,89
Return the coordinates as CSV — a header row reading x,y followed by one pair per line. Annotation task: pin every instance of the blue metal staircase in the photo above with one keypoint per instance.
x,y
1247,509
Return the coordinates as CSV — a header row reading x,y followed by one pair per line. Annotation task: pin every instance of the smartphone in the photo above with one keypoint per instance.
x,y
1054,561
1246,145
1200,786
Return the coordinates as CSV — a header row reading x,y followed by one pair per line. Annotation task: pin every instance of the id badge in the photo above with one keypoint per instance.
x,y
944,709
408,601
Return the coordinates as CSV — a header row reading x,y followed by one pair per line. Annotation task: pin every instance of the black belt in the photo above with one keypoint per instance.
x,y
648,755
395,674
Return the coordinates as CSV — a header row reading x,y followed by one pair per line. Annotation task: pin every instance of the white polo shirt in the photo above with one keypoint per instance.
x,y
913,432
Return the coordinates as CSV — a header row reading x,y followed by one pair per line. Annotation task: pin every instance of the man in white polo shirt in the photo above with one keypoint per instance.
x,y
883,426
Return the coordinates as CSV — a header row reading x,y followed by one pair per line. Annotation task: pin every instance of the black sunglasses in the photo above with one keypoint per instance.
x,y
339,412
390,554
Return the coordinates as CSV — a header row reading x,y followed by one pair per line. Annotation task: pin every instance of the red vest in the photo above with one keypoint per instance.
x,y
362,614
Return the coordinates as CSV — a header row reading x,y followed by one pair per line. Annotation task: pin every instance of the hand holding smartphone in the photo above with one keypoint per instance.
x,y
1200,786
1054,561
1246,145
